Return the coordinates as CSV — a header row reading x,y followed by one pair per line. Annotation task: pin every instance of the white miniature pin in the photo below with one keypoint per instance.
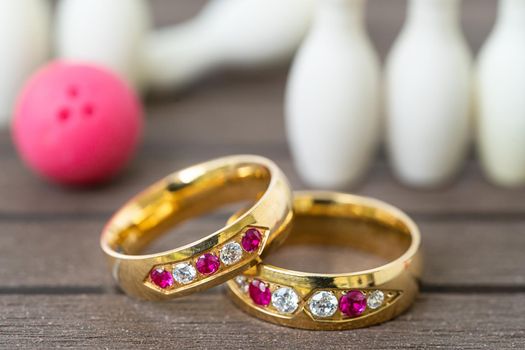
x,y
25,45
500,97
233,33
428,95
109,33
333,97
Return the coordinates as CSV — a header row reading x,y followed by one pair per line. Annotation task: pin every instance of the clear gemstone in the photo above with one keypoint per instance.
x,y
375,299
285,300
323,304
184,273
242,283
231,253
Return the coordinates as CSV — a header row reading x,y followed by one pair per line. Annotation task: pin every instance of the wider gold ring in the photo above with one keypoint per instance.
x,y
344,300
185,194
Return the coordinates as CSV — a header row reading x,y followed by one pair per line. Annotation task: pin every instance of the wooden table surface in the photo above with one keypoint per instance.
x,y
55,290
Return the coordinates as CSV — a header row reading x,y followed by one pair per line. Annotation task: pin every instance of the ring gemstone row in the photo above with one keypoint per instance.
x,y
321,304
167,276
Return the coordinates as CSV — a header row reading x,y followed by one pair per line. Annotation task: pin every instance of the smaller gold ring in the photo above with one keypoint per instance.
x,y
213,259
344,300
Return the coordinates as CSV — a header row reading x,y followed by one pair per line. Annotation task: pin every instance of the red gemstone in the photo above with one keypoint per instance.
x,y
207,264
260,293
251,240
353,303
161,278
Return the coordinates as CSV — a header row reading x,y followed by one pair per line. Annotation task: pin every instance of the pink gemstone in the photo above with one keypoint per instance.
x,y
260,293
251,240
161,278
207,264
353,303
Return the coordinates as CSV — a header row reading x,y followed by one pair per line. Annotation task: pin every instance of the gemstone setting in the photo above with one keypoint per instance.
x,y
242,283
285,300
260,293
184,273
353,303
251,240
323,304
231,253
207,264
161,278
375,299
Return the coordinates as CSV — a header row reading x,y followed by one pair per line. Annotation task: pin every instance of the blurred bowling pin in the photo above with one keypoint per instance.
x,y
109,33
501,99
235,33
428,94
332,98
24,45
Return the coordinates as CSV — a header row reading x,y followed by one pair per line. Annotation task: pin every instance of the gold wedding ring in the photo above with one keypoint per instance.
x,y
188,193
346,300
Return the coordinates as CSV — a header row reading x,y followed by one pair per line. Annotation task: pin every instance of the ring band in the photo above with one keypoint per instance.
x,y
188,193
337,301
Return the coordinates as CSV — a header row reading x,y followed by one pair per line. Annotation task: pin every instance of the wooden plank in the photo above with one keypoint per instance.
x,y
208,320
52,254
470,195
469,255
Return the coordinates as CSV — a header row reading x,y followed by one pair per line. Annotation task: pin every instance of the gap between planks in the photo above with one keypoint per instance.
x,y
102,290
445,217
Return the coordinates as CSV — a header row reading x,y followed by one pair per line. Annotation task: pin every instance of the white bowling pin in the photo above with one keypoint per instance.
x,y
501,99
234,33
429,95
109,33
24,45
332,98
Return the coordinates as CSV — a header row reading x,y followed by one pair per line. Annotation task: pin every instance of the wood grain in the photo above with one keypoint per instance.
x,y
468,255
470,195
210,321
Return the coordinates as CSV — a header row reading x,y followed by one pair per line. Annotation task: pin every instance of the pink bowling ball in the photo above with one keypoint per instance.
x,y
76,124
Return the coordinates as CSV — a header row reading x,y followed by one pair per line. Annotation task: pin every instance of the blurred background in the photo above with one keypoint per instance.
x,y
239,111
384,19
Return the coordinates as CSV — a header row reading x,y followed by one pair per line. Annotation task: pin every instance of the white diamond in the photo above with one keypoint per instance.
x,y
323,304
184,273
375,299
285,300
231,253
242,282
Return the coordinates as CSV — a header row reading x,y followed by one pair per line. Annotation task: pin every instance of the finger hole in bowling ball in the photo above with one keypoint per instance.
x,y
88,110
63,114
